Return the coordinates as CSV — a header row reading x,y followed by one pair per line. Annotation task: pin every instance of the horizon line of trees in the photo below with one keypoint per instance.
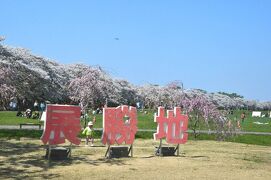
x,y
25,78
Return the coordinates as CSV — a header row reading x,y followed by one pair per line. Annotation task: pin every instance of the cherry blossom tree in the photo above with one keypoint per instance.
x,y
128,92
154,96
2,38
173,94
7,91
204,113
93,88
150,95
28,77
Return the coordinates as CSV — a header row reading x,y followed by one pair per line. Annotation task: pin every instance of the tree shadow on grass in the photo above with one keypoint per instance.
x,y
25,160
100,161
196,157
17,148
11,172
12,164
149,157
75,160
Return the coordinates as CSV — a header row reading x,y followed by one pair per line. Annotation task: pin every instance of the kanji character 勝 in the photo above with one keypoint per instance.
x,y
116,129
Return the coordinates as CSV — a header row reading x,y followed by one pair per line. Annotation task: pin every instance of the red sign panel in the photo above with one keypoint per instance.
x,y
62,122
119,125
173,127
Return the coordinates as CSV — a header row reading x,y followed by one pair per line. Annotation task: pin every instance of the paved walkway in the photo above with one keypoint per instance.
x,y
29,127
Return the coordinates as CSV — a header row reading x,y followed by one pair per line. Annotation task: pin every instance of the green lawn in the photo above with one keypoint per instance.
x,y
145,121
10,118
249,124
246,139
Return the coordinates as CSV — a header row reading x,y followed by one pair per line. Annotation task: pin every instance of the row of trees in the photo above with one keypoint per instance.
x,y
25,78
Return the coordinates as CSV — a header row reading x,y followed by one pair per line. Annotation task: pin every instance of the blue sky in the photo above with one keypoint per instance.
x,y
216,45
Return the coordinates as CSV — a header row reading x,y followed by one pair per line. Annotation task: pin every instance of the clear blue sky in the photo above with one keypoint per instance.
x,y
219,45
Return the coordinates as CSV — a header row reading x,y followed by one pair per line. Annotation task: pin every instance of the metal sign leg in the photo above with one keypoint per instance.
x,y
106,153
159,150
49,152
70,152
131,150
178,149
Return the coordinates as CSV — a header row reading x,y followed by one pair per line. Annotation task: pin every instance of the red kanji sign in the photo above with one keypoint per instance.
x,y
115,128
62,122
173,127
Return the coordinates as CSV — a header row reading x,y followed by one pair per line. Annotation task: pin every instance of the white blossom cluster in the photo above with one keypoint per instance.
x,y
27,76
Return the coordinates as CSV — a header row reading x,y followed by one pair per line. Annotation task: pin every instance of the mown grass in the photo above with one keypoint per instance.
x,y
17,134
10,118
145,121
251,139
249,123
24,159
246,139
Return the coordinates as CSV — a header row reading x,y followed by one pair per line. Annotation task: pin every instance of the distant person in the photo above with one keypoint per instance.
x,y
42,106
24,104
28,113
243,116
35,115
138,105
19,114
98,111
229,124
13,105
238,124
237,120
36,106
